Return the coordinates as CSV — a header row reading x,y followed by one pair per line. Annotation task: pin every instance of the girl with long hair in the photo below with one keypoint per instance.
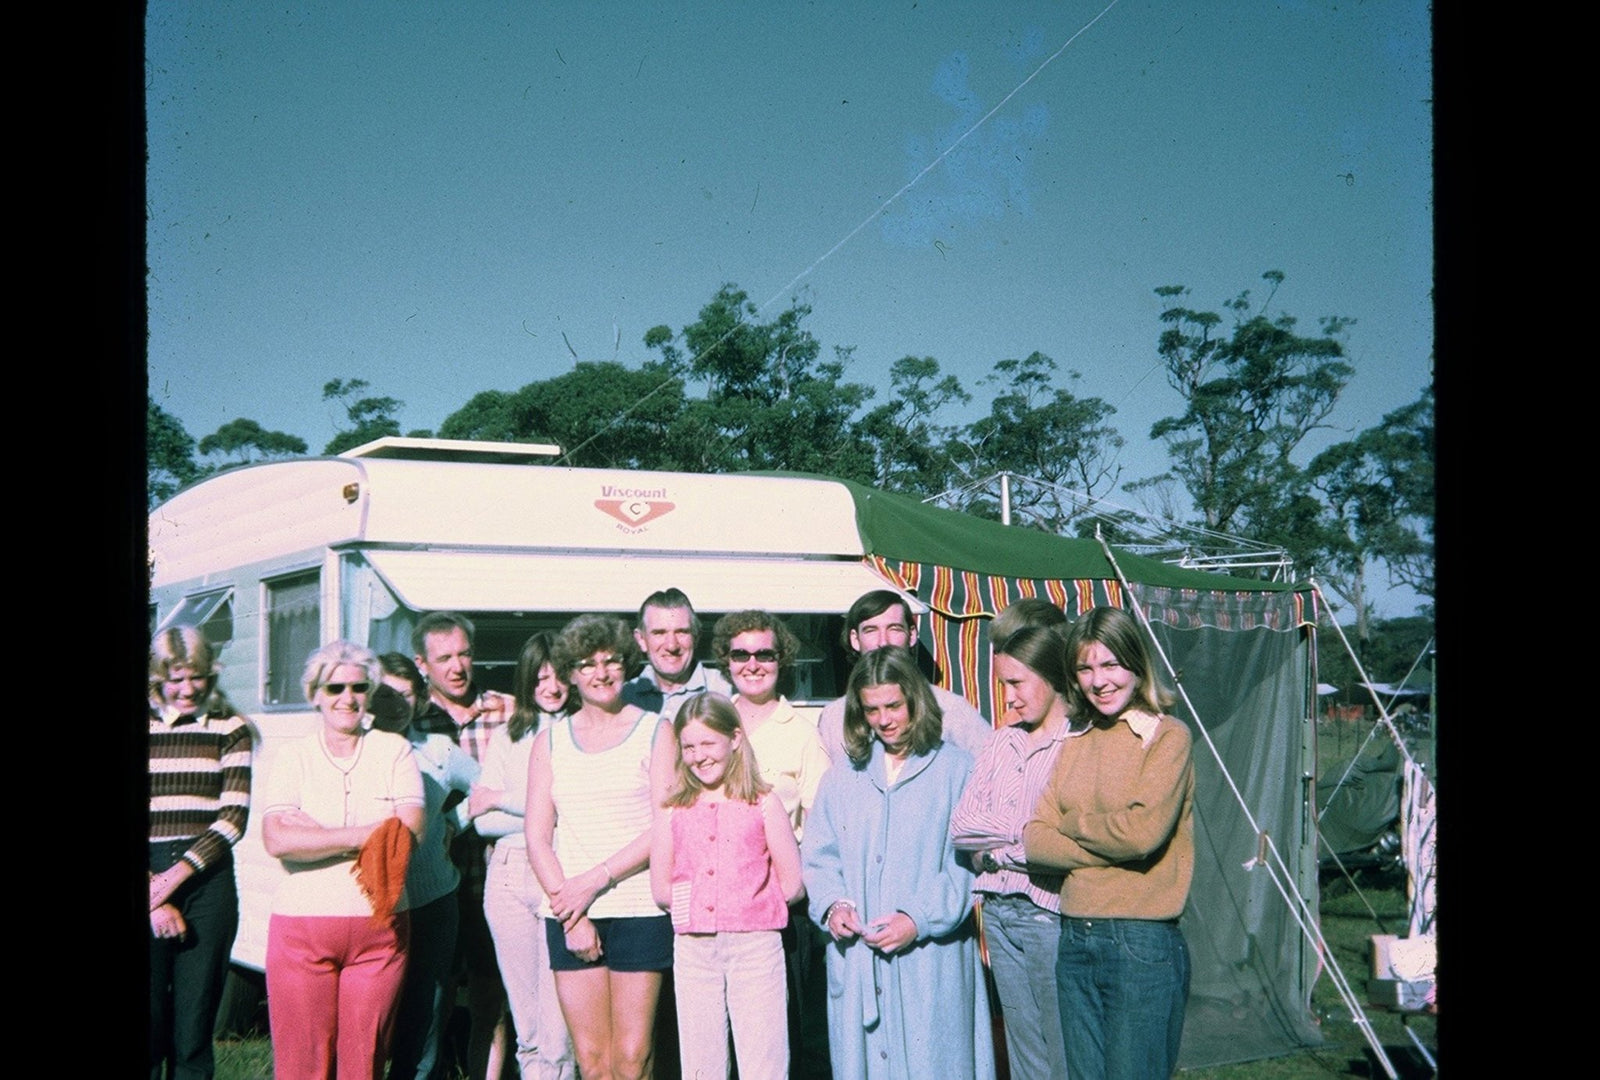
x,y
1021,904
512,898
724,863
1118,817
906,993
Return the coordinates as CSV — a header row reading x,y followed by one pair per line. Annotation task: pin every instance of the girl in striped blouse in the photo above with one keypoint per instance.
x,y
1021,905
199,804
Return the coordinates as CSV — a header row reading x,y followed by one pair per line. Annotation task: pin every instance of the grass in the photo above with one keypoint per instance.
x,y
1345,923
244,1059
1348,927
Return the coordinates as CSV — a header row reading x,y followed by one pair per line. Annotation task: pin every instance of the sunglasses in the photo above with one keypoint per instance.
x,y
744,656
337,688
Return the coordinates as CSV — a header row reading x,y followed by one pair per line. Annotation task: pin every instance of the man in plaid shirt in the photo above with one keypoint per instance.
x,y
442,642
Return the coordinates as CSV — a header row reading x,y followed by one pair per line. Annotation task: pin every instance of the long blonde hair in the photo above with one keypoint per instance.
x,y
742,779
1119,633
890,665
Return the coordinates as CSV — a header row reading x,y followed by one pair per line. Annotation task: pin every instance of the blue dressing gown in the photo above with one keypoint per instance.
x,y
923,1012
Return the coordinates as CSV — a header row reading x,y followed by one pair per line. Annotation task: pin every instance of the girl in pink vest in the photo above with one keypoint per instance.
x,y
725,864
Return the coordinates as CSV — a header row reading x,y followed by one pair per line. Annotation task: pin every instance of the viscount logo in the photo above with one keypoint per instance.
x,y
612,491
634,511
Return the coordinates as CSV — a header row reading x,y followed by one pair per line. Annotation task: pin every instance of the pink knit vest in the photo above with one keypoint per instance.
x,y
722,875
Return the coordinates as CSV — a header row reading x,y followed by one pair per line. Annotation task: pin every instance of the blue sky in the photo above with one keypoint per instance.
x,y
428,196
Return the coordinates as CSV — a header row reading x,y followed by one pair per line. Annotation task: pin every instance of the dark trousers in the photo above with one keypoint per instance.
x,y
803,959
428,995
186,976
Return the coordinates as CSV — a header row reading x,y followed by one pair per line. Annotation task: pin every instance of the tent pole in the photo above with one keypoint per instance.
x,y
1277,869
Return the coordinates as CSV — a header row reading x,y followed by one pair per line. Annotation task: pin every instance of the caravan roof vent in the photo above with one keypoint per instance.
x,y
458,450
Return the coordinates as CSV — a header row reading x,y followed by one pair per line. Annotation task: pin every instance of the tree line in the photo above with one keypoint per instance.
x,y
729,393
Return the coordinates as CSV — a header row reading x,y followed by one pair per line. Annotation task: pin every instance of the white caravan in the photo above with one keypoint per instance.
x,y
274,559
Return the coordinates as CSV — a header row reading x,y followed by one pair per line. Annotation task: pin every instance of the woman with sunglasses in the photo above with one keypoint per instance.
x,y
756,649
595,782
335,961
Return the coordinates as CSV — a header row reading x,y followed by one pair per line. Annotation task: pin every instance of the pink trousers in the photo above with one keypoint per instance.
x,y
333,983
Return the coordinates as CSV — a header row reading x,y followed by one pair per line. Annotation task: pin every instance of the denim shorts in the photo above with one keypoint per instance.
x,y
642,943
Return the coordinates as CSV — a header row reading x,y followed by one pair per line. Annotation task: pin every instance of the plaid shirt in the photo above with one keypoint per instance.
x,y
470,728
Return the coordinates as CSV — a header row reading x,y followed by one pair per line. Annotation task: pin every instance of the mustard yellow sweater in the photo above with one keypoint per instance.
x,y
1118,814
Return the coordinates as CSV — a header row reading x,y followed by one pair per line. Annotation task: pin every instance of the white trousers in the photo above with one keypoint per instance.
x,y
720,978
511,899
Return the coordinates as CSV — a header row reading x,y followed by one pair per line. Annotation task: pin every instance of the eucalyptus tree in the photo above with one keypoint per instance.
x,y
169,455
1250,396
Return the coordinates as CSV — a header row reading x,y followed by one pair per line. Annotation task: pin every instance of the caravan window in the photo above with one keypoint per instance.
x,y
292,619
211,612
818,676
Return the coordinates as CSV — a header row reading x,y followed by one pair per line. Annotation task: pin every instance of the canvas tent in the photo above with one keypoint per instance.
x,y
1244,652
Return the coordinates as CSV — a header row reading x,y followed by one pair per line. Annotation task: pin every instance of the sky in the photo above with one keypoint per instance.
x,y
429,196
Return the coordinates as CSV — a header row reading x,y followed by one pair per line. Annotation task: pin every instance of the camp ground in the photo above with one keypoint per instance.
x,y
273,559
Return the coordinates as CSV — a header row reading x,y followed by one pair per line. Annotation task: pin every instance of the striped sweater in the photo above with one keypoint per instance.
x,y
199,783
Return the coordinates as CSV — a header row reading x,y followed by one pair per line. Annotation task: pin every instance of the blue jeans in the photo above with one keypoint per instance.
x,y
1122,985
1024,945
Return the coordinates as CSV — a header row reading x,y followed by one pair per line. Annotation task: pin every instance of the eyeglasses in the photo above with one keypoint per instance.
x,y
337,688
589,666
761,656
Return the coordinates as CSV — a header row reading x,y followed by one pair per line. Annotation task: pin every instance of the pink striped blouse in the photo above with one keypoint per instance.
x,y
999,799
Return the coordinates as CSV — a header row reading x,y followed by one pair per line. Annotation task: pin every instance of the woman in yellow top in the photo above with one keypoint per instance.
x,y
1118,816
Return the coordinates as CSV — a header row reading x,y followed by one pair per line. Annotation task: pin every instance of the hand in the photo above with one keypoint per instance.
x,y
891,934
167,921
482,800
164,884
843,923
583,941
574,895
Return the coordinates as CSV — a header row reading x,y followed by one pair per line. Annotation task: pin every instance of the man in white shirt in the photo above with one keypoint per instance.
x,y
880,618
668,631
457,707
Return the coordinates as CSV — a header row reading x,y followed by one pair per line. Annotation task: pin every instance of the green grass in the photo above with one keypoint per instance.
x,y
1348,927
244,1059
1345,923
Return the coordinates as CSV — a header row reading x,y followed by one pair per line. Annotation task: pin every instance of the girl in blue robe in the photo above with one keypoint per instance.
x,y
906,996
